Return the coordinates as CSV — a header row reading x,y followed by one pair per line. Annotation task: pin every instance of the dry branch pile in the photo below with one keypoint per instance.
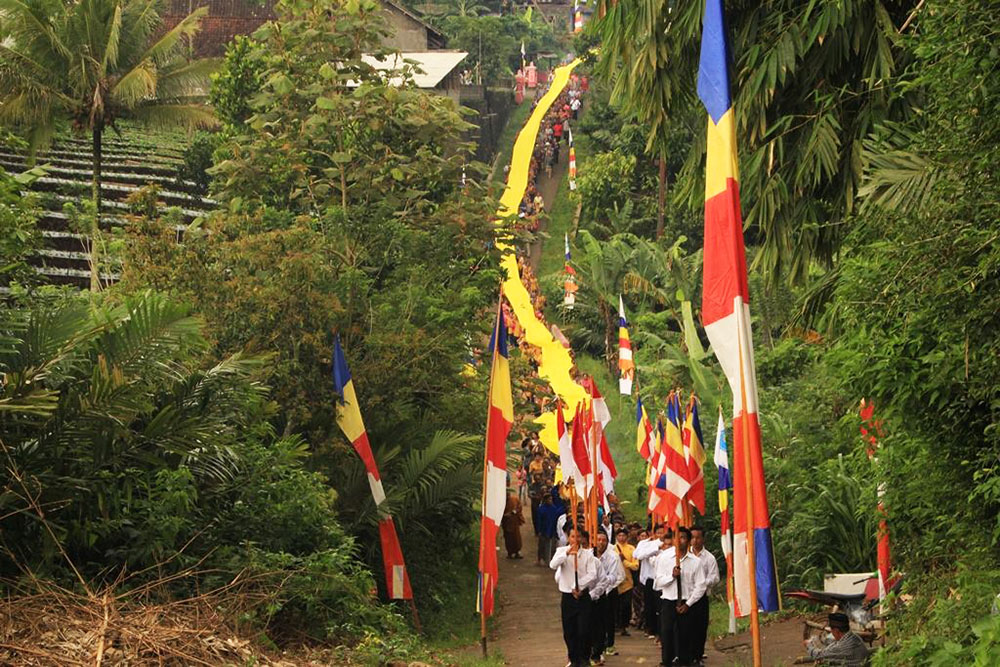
x,y
54,626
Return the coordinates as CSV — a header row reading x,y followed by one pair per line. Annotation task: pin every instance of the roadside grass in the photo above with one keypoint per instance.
x,y
515,122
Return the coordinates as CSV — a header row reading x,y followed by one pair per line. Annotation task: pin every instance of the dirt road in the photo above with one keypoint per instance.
x,y
529,634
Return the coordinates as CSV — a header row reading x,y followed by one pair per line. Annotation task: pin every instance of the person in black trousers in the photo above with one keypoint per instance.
x,y
680,578
700,608
576,571
646,552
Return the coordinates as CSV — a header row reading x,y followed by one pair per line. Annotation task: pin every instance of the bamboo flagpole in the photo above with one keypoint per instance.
x,y
748,501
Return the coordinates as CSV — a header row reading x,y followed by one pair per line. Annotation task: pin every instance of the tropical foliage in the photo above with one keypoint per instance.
x,y
862,146
90,63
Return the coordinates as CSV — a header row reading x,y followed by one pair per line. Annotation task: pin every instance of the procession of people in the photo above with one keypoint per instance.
x,y
670,572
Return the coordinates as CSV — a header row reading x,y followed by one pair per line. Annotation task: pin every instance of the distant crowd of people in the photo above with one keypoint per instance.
x,y
552,134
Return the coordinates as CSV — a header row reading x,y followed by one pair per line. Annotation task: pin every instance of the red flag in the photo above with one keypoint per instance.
x,y
580,457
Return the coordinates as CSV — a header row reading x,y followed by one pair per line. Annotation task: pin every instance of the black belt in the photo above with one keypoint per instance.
x,y
584,592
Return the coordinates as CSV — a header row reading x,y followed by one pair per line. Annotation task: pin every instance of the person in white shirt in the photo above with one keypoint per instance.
x,y
606,526
602,620
646,552
576,573
562,535
681,581
700,609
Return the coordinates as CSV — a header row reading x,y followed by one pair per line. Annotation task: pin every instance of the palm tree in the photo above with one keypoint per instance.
x,y
636,59
93,62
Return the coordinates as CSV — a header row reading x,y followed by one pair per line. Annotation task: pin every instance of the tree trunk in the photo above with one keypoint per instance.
x,y
95,281
661,198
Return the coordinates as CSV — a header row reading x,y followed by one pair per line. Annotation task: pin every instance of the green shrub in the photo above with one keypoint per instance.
x,y
198,160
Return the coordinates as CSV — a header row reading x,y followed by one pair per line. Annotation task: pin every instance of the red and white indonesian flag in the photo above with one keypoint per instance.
x,y
726,315
583,478
566,462
499,420
350,422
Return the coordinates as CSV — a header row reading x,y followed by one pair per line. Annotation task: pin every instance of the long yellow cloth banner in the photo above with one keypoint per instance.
x,y
556,363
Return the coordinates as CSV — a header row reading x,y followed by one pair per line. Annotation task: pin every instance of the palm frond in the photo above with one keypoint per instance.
x,y
163,50
159,114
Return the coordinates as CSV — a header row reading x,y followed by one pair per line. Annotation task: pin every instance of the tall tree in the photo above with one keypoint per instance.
x,y
812,81
636,59
92,62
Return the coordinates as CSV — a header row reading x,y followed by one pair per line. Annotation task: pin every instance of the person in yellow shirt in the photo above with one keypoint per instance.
x,y
623,614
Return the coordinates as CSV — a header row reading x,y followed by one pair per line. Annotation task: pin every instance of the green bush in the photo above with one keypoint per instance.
x,y
198,158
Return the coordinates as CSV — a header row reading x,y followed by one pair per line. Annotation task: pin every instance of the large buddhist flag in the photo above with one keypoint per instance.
x,y
643,432
694,450
626,365
397,581
726,315
721,459
498,422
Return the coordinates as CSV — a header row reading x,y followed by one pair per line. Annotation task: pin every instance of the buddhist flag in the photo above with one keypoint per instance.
x,y
643,432
569,285
397,581
523,62
498,422
725,483
626,366
726,315
577,16
658,503
676,470
694,450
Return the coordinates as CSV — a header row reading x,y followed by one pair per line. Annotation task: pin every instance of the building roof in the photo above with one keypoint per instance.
x,y
419,19
433,66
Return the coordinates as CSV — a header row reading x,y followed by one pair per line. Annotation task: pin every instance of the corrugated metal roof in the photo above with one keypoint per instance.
x,y
433,66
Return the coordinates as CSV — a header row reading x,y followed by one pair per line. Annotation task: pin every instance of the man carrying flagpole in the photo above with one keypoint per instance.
x,y
726,317
499,419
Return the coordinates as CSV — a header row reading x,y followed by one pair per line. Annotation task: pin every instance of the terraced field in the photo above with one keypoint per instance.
x,y
131,162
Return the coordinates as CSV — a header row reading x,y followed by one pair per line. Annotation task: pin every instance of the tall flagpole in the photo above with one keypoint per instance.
x,y
486,458
748,500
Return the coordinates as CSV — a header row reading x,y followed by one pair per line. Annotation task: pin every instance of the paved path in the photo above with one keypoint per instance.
x,y
548,187
528,632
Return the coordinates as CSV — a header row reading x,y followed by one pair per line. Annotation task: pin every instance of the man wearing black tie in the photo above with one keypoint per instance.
x,y
576,571
681,582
